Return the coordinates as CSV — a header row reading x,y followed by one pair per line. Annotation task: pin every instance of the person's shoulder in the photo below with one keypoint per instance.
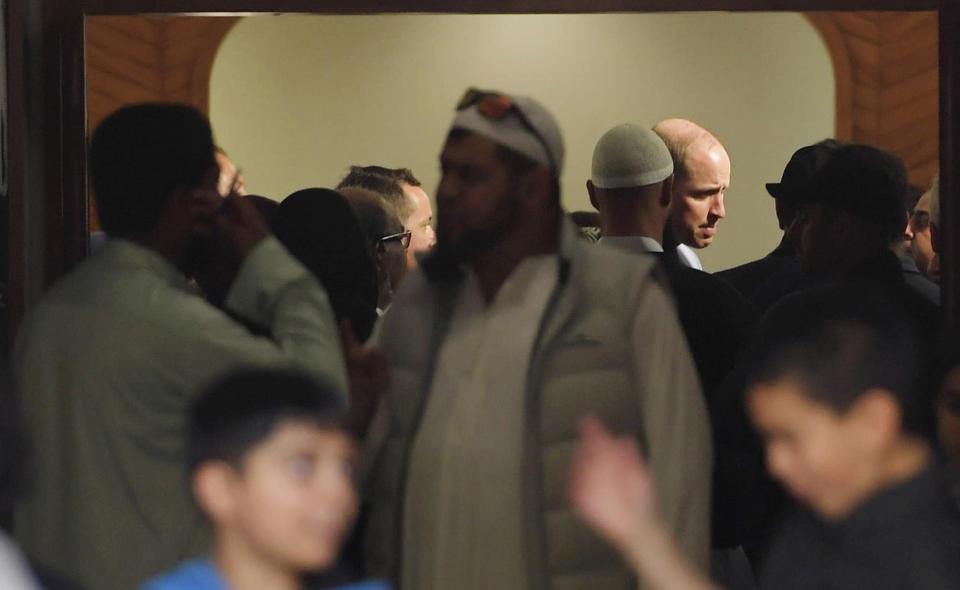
x,y
752,276
711,290
614,262
613,278
745,271
198,574
114,278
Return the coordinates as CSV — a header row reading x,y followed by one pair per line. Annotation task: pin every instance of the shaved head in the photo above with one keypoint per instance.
x,y
701,175
680,135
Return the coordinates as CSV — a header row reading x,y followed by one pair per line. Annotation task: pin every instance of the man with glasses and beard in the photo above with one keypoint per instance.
x,y
511,329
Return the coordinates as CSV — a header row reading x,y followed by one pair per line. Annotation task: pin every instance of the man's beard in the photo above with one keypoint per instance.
x,y
472,243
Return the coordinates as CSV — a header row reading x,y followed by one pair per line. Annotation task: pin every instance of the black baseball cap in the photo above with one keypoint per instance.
x,y
863,180
804,163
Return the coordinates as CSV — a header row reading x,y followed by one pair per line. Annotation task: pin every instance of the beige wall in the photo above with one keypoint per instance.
x,y
297,99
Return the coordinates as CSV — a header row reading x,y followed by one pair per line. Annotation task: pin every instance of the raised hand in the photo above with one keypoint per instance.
x,y
241,225
610,487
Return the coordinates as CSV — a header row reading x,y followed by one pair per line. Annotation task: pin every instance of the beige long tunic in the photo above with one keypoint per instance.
x,y
464,511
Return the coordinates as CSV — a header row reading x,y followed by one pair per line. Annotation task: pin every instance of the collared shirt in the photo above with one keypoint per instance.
x,y
632,243
904,537
464,513
106,367
688,257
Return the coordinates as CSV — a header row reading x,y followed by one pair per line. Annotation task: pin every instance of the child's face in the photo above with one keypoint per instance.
x,y
295,500
820,456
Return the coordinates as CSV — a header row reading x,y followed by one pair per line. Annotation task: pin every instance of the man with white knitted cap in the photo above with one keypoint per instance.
x,y
513,329
630,185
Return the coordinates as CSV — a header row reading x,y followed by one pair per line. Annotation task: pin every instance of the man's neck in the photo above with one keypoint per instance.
x,y
244,569
493,266
644,217
634,233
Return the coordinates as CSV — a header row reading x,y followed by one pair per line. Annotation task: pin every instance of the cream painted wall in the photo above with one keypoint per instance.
x,y
296,99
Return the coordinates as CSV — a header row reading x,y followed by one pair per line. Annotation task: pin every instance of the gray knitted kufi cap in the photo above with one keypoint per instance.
x,y
630,156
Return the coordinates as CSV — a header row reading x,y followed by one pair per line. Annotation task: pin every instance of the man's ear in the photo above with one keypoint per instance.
x,y
214,488
935,237
592,191
877,416
535,187
666,191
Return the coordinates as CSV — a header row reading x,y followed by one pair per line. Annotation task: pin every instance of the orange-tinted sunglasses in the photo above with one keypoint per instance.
x,y
495,106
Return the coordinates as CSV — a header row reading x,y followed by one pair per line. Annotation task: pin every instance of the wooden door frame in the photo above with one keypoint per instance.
x,y
59,180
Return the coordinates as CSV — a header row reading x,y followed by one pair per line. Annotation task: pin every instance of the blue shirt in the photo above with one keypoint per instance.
x,y
200,574
197,574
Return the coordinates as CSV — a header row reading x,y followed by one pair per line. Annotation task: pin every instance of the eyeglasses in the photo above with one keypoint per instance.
x,y
495,106
402,237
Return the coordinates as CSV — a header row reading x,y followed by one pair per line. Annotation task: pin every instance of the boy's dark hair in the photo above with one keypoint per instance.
x,y
244,408
139,155
838,341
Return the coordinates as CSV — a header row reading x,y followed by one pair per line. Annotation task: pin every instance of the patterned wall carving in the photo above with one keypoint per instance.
x,y
148,58
887,83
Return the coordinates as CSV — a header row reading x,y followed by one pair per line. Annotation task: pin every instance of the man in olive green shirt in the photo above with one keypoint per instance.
x,y
108,362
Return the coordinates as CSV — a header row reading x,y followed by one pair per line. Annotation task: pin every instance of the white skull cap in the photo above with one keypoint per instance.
x,y
630,156
511,132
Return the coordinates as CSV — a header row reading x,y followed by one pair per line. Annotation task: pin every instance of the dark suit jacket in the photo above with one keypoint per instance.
x,y
716,318
765,281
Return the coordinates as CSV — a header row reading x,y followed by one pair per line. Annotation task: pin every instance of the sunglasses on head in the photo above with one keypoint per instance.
x,y
496,106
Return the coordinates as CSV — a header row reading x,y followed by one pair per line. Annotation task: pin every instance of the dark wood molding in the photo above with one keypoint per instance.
x,y
842,72
16,34
489,6
66,144
949,158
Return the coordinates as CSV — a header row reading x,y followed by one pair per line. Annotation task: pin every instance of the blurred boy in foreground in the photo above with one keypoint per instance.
x,y
837,389
271,466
